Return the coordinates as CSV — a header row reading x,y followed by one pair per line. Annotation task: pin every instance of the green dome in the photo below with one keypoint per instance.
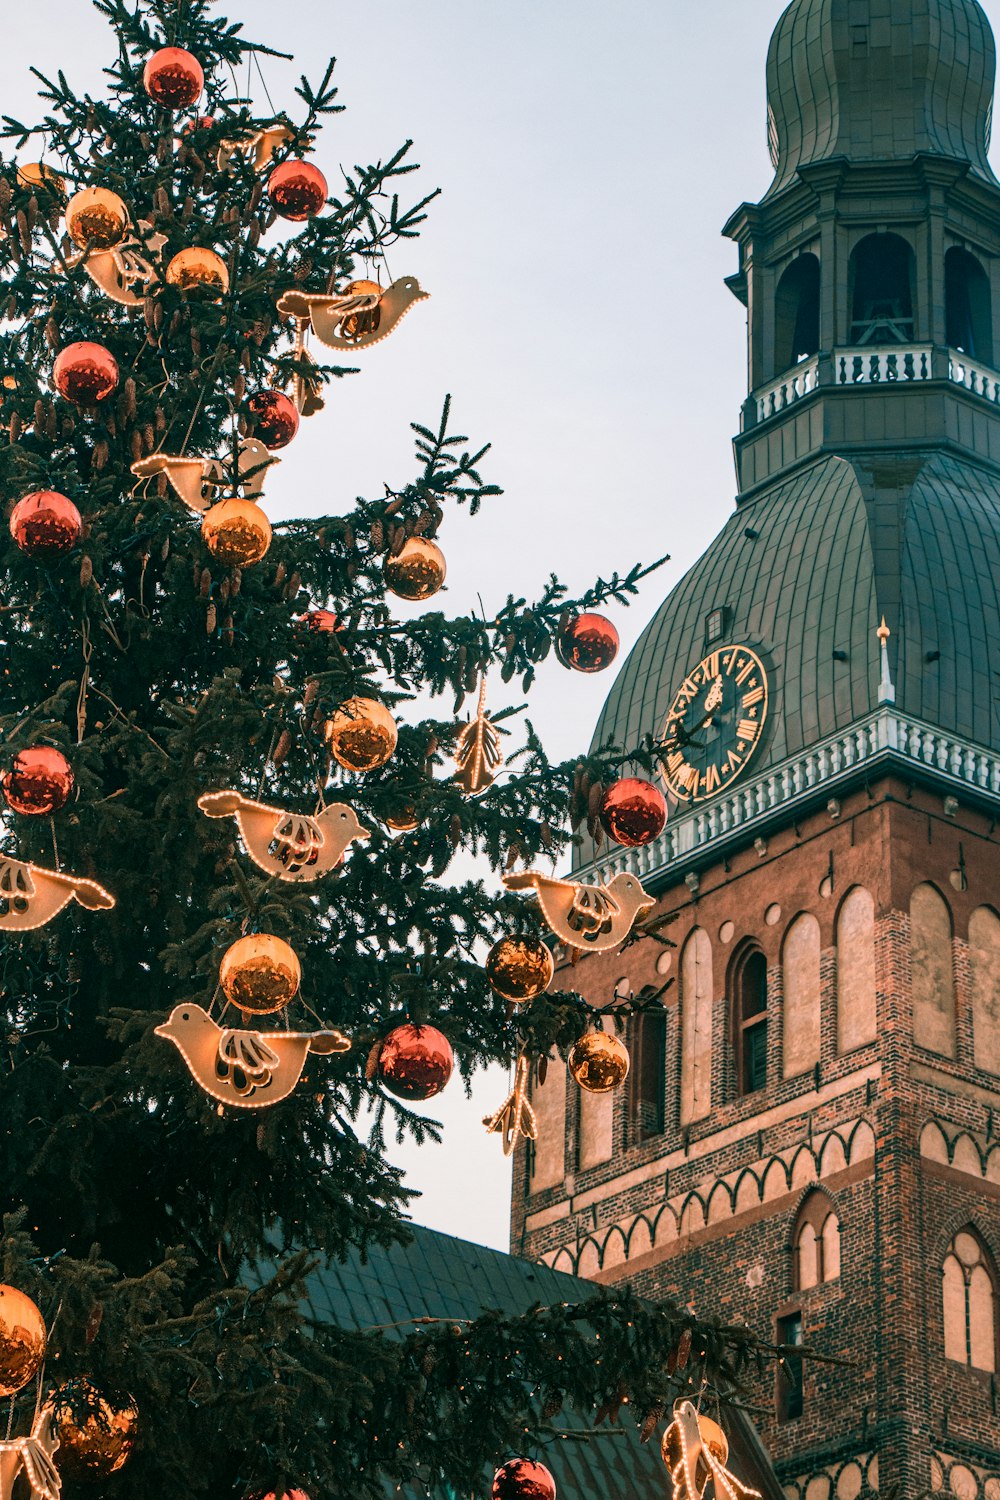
x,y
878,80
807,571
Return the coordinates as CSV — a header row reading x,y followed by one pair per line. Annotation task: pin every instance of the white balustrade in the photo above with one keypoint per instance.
x,y
979,379
886,365
788,388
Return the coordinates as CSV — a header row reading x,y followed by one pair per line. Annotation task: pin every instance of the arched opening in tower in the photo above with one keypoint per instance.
x,y
796,313
968,309
881,279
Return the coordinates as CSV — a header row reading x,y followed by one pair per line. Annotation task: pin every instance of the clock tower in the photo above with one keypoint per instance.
x,y
809,1136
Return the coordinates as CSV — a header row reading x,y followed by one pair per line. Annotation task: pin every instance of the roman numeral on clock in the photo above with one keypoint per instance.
x,y
746,729
755,695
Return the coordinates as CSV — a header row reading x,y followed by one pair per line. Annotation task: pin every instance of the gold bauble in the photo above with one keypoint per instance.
x,y
357,325
236,531
417,571
402,819
96,1435
22,1340
361,735
97,217
519,968
260,973
198,270
598,1062
37,174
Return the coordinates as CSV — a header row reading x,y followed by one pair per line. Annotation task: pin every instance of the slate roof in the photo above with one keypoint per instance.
x,y
875,80
808,569
438,1276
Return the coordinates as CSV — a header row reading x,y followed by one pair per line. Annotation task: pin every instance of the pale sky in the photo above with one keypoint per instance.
x,y
588,155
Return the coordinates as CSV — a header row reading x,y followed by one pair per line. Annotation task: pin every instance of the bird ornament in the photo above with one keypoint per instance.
x,y
123,273
695,1451
30,896
31,1457
515,1116
591,918
292,846
353,320
478,755
245,1069
257,147
194,480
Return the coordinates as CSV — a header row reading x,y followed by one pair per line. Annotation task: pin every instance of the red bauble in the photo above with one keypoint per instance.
x,y
85,373
40,781
587,643
322,621
415,1062
275,418
523,1479
633,811
297,189
173,77
45,521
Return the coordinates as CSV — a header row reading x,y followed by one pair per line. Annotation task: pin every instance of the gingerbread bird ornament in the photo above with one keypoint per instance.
x,y
353,320
696,1450
592,918
245,1069
27,1467
292,846
30,896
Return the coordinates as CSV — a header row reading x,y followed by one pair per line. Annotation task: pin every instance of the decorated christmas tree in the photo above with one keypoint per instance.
x,y
233,944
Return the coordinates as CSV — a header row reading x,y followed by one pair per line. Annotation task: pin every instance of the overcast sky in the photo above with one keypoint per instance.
x,y
588,155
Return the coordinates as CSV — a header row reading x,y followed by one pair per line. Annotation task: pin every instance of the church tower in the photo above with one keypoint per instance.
x,y
809,1138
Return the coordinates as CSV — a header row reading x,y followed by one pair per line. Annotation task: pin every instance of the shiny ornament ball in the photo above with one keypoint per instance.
x,y
173,78
417,571
85,373
96,216
523,1479
358,325
236,532
288,1495
519,968
598,1062
96,1435
402,819
45,522
275,418
633,812
37,176
587,643
362,734
297,189
38,782
711,1434
320,622
199,270
260,973
22,1340
415,1062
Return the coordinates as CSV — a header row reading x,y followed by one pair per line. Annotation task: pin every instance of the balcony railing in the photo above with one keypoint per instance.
x,y
977,378
884,366
792,386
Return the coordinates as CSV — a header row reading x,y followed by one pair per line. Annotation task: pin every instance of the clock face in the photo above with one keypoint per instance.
x,y
714,724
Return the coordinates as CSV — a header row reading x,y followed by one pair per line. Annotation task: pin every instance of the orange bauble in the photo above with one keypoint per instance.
x,y
320,622
403,818
357,325
519,968
45,522
96,1435
85,373
633,812
275,418
362,734
96,216
598,1062
39,177
22,1340
173,78
297,189
236,531
523,1479
39,781
260,973
201,271
587,643
417,570
415,1062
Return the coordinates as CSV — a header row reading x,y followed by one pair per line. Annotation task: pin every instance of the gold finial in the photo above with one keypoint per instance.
x,y
883,632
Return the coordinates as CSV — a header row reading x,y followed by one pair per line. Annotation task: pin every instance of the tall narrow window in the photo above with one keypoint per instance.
x,y
789,1393
968,314
750,1020
696,1027
645,1089
796,313
970,1303
932,980
881,276
816,1243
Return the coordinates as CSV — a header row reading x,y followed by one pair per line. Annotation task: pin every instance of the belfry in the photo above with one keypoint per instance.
x,y
809,1136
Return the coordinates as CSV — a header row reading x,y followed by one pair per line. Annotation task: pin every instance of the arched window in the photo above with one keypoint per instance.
x,y
796,313
816,1243
800,963
645,1088
696,1027
968,311
881,279
970,1303
932,980
749,1010
856,1017
984,961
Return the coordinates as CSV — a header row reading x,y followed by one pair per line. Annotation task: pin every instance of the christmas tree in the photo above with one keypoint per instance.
x,y
229,925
